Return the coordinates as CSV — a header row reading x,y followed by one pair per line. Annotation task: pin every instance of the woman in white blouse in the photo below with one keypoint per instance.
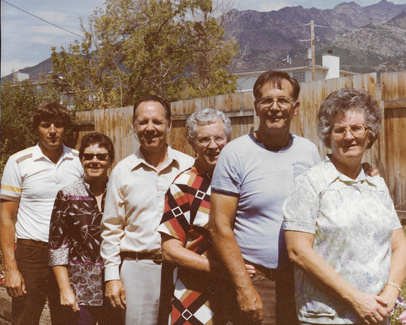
x,y
341,227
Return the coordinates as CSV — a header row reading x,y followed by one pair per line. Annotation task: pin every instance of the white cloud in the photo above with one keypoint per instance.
x,y
270,5
60,19
51,31
26,40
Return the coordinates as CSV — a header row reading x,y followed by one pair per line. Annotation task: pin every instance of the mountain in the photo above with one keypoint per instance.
x,y
367,39
373,47
271,36
43,67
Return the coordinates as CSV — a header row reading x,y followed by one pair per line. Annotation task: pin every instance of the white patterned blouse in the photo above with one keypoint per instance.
x,y
352,221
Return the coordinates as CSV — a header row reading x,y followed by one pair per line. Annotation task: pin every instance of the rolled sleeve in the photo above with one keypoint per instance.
x,y
301,208
112,228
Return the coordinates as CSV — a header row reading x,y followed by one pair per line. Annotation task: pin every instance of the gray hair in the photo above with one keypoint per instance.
x,y
206,116
339,102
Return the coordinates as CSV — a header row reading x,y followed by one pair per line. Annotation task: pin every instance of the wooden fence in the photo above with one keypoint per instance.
x,y
388,153
392,143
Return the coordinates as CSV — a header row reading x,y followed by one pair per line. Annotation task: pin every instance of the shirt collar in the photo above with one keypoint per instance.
x,y
138,159
289,145
332,175
38,154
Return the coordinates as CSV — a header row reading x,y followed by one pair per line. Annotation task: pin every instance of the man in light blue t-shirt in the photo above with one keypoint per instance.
x,y
253,176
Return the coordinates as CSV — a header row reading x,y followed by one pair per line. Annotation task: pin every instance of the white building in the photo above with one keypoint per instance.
x,y
303,73
19,76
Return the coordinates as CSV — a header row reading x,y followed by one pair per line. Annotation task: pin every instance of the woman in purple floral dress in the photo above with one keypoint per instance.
x,y
74,238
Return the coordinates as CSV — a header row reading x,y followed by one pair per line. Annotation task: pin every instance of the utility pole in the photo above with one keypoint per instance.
x,y
312,50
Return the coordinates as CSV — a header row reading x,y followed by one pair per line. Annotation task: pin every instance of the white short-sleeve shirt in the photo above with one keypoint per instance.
x,y
34,180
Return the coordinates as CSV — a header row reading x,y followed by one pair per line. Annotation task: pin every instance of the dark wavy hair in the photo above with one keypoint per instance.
x,y
339,102
102,140
50,111
163,102
275,78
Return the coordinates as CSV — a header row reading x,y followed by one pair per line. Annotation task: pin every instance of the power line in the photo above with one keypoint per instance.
x,y
42,19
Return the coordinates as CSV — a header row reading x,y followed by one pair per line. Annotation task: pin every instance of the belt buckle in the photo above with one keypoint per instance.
x,y
157,257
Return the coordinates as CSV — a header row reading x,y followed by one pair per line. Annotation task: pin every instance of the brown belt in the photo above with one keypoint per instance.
x,y
262,270
34,243
155,256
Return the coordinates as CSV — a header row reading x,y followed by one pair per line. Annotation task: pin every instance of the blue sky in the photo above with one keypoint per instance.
x,y
26,41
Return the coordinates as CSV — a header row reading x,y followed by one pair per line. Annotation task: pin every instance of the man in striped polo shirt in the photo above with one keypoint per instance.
x,y
30,182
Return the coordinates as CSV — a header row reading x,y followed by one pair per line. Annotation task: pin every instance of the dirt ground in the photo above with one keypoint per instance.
x,y
5,310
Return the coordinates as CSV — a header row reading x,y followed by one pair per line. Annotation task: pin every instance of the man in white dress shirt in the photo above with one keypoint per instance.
x,y
134,207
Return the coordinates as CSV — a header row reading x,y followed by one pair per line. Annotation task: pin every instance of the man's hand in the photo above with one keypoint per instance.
x,y
370,308
15,285
221,224
370,170
250,304
116,294
68,298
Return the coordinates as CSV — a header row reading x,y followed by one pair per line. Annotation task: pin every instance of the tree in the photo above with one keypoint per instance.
x,y
172,48
18,101
213,51
17,104
83,73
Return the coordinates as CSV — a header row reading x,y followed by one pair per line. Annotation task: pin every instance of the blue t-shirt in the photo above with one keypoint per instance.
x,y
261,179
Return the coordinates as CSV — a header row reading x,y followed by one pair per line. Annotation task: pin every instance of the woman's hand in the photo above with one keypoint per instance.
x,y
68,298
370,308
397,268
250,269
390,294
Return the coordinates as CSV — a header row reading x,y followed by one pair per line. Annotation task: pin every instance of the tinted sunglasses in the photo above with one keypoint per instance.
x,y
99,156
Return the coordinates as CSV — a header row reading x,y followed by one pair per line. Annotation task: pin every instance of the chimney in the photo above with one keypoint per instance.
x,y
331,62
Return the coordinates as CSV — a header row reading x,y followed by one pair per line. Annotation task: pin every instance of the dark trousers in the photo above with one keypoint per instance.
x,y
91,315
101,315
40,284
278,300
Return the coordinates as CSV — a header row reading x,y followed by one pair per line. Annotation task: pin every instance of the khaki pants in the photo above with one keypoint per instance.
x,y
142,283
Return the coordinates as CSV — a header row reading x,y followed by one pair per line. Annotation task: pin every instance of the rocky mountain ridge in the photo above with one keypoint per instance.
x,y
266,37
374,47
367,39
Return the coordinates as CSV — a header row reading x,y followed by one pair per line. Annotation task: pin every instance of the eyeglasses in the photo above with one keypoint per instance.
x,y
99,156
282,102
357,130
218,139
